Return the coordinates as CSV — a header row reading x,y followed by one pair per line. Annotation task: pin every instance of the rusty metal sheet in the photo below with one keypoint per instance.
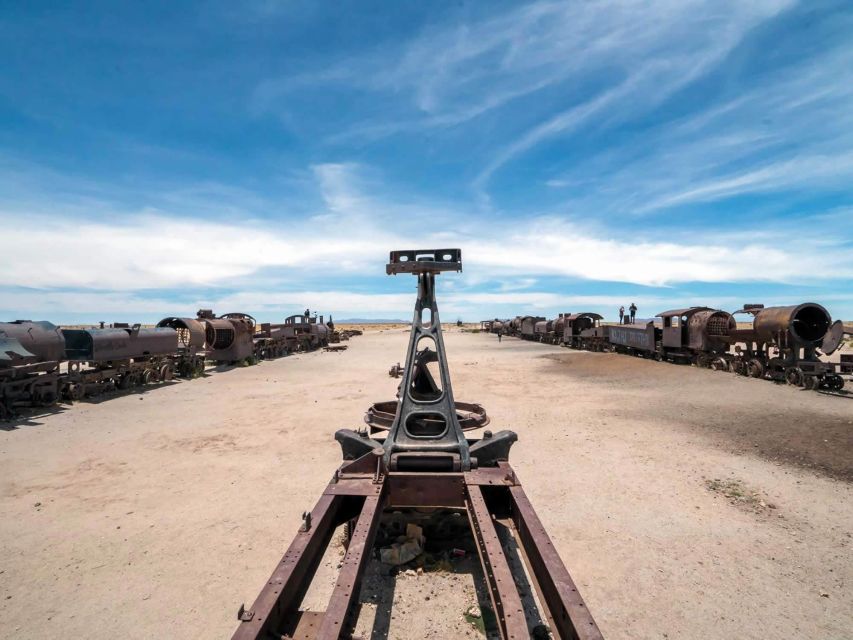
x,y
502,588
495,476
566,609
365,487
832,339
101,345
426,490
681,312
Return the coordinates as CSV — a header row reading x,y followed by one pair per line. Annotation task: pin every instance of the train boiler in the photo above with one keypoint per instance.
x,y
122,356
228,337
192,343
30,356
784,342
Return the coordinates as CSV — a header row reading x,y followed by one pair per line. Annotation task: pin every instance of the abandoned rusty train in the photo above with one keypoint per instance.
x,y
41,364
783,343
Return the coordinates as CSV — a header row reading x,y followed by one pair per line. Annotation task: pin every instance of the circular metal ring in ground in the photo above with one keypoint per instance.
x,y
381,415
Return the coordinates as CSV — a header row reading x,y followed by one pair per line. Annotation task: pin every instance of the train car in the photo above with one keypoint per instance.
x,y
229,337
514,327
500,326
121,356
575,324
306,333
783,345
697,335
595,338
636,339
270,341
527,327
694,335
192,345
30,357
543,331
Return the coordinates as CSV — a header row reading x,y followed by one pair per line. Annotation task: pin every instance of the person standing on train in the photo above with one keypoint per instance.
x,y
621,314
633,310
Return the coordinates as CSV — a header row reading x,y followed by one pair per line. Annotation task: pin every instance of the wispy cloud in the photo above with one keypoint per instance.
x,y
140,250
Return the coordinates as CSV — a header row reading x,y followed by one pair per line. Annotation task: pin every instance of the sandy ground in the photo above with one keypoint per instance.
x,y
685,503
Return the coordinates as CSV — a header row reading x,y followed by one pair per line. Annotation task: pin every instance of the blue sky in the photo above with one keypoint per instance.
x,y
265,156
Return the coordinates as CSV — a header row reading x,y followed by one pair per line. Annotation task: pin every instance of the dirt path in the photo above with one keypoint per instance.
x,y
678,498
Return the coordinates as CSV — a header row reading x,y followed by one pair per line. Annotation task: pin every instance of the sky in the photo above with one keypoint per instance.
x,y
265,156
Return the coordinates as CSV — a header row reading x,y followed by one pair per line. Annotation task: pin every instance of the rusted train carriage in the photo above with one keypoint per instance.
x,y
527,327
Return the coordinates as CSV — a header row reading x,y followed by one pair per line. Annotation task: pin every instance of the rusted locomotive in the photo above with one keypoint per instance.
x,y
784,342
574,325
96,360
30,357
527,327
41,363
306,332
694,335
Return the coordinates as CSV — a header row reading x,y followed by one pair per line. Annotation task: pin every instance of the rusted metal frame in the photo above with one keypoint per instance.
x,y
290,579
566,610
502,588
349,579
426,490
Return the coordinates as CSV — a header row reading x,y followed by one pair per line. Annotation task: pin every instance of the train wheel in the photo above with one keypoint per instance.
x,y
147,376
755,368
810,382
198,368
835,382
720,364
794,376
166,373
125,381
74,392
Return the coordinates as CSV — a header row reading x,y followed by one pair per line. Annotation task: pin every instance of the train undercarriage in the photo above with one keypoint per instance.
x,y
423,469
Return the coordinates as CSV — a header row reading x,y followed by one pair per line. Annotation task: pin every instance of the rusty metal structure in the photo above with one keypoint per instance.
x,y
306,332
41,364
100,360
424,462
527,327
229,337
192,343
30,357
575,324
784,342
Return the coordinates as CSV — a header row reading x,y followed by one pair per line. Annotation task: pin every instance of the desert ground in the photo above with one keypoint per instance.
x,y
685,503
